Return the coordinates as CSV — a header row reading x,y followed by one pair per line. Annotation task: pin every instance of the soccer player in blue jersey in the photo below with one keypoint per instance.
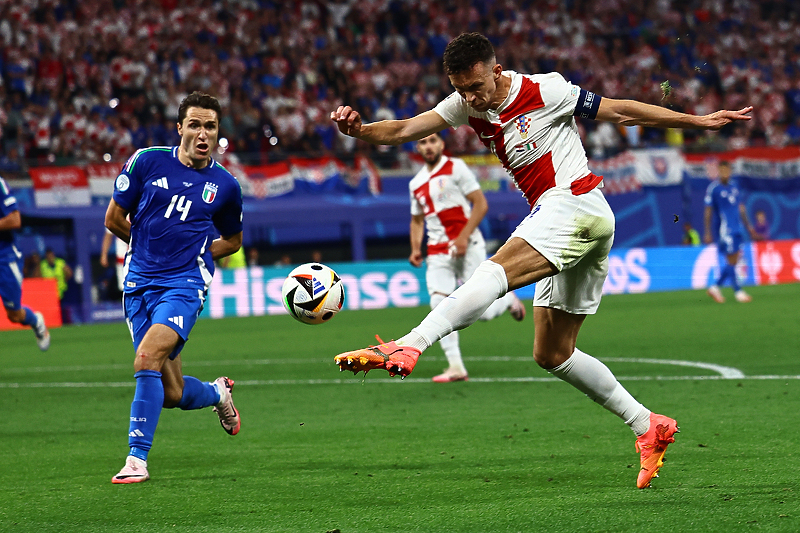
x,y
185,212
723,201
11,270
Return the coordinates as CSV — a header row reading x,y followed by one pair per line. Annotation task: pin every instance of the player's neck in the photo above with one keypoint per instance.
x,y
501,93
196,164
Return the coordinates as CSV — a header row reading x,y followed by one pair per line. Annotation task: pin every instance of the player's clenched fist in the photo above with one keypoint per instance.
x,y
348,120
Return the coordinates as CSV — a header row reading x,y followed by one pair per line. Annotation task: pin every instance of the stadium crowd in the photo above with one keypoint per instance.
x,y
95,79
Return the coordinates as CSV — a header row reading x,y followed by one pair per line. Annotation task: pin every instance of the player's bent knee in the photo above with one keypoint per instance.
x,y
147,360
549,359
172,397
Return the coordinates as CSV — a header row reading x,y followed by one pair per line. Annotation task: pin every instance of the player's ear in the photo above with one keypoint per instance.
x,y
497,70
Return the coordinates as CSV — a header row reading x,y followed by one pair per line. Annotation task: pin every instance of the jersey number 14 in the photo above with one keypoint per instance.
x,y
181,205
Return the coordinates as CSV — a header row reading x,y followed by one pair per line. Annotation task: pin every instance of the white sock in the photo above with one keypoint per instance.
x,y
452,351
449,343
462,308
594,379
498,307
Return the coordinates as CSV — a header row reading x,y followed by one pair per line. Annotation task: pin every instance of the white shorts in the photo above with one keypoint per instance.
x,y
445,273
574,233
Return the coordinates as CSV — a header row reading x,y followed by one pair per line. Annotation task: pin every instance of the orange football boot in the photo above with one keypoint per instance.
x,y
389,356
652,446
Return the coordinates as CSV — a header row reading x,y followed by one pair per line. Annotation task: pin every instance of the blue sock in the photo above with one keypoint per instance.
x,y
727,270
30,317
723,275
197,394
145,410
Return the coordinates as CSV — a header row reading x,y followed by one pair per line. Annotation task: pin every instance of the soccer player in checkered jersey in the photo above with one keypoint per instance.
x,y
562,245
185,212
447,200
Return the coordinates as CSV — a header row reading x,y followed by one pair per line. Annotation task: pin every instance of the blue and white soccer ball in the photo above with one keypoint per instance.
x,y
313,293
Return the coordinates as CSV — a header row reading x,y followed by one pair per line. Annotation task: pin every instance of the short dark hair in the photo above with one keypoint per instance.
x,y
466,50
198,99
437,133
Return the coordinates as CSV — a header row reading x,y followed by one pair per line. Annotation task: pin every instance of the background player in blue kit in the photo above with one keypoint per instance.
x,y
185,212
11,270
723,201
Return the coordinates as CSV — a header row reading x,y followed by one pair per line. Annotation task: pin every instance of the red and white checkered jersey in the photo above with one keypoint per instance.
x,y
441,195
532,133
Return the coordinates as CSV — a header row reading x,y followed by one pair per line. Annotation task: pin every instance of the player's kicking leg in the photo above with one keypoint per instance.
x,y
462,308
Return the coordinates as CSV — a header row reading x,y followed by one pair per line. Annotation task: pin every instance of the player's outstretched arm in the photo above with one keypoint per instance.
x,y
117,221
390,132
633,113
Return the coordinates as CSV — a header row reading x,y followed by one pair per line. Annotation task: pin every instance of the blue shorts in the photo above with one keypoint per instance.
x,y
175,308
11,283
730,244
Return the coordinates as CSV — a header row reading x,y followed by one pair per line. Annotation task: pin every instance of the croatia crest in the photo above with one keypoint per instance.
x,y
210,192
523,125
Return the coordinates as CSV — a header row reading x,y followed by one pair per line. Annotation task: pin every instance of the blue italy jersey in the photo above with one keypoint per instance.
x,y
8,204
724,199
176,212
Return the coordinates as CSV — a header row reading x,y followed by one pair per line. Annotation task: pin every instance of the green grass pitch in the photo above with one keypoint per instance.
x,y
510,450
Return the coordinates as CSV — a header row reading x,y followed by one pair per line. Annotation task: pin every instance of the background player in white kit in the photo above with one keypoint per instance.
x,y
446,197
562,246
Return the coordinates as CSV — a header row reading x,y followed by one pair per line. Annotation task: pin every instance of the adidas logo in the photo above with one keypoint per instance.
x,y
177,320
161,182
136,433
318,286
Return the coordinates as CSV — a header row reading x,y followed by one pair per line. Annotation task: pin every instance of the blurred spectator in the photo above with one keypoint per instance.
x,y
10,160
65,67
285,260
690,235
761,226
252,257
56,268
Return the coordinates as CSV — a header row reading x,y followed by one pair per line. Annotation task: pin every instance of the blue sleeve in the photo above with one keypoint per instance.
x,y
127,187
588,104
228,220
8,204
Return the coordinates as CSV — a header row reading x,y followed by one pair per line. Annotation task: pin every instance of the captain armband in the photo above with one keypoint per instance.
x,y
588,104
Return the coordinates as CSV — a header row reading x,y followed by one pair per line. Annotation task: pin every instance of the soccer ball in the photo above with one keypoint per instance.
x,y
313,293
